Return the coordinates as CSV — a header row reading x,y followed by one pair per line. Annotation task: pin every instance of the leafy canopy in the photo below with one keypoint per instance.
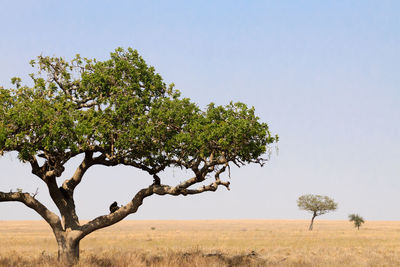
x,y
122,109
316,204
356,219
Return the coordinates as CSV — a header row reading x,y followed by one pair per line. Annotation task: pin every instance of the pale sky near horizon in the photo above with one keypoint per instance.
x,y
323,74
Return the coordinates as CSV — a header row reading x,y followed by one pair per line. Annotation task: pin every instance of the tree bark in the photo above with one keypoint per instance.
x,y
312,222
68,250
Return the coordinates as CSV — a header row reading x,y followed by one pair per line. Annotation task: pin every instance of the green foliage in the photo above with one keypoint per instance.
x,y
316,204
122,108
357,220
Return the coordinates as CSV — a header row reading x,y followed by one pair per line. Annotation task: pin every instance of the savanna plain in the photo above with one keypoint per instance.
x,y
211,243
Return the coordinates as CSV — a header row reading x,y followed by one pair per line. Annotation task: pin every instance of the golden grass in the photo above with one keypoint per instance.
x,y
211,243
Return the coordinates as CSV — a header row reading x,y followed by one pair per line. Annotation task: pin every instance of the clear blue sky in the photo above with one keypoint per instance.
x,y
323,74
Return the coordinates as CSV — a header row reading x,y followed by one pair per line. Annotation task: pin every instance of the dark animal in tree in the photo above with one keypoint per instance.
x,y
114,207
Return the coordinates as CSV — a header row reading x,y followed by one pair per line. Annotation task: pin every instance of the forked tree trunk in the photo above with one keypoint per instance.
x,y
312,222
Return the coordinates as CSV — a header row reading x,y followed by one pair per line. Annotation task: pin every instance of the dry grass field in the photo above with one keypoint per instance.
x,y
211,243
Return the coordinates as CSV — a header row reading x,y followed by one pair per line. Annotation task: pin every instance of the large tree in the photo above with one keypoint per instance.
x,y
317,205
118,112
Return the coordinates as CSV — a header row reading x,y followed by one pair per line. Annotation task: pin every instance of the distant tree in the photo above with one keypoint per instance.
x,y
118,112
317,205
357,220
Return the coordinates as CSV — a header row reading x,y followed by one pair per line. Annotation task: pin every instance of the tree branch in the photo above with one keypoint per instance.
x,y
69,185
137,201
177,190
35,167
121,213
52,219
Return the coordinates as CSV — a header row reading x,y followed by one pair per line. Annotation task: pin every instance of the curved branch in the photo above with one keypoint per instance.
x,y
121,213
177,190
52,219
156,188
137,201
69,185
36,170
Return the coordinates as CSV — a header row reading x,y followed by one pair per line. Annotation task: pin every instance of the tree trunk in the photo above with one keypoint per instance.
x,y
68,251
312,222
